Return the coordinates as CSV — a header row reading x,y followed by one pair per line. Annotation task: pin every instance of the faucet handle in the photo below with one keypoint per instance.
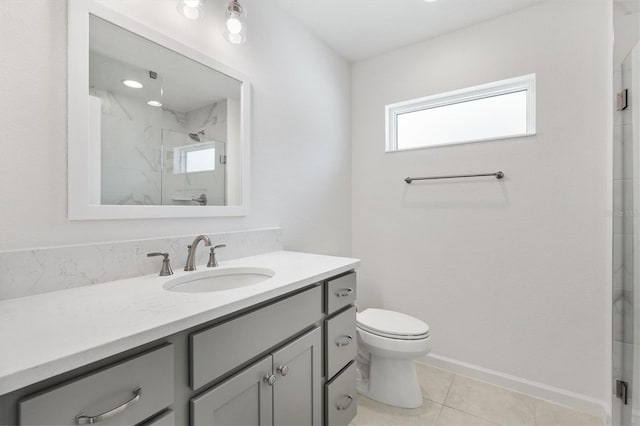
x,y
166,264
212,256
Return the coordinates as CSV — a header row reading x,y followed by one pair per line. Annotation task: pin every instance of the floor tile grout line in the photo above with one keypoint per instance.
x,y
439,414
446,397
469,414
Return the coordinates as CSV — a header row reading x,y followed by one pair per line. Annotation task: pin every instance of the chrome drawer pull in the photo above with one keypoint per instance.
x,y
343,292
83,419
345,406
346,341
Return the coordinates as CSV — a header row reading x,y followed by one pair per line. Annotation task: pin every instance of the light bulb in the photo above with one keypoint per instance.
x,y
234,38
189,8
234,25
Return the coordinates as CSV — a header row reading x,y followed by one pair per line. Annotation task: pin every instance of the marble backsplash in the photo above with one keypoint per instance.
x,y
41,270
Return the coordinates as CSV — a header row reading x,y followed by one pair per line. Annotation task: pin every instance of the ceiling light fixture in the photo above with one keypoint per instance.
x,y
154,103
236,26
190,9
133,84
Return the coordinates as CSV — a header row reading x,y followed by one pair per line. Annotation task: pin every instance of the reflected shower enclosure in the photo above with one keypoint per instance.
x,y
164,129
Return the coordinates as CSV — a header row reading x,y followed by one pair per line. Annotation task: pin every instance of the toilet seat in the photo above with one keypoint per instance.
x,y
392,325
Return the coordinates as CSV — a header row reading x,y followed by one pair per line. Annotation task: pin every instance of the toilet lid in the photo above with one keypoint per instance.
x,y
391,324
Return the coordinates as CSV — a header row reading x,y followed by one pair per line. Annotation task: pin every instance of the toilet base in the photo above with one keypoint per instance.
x,y
392,382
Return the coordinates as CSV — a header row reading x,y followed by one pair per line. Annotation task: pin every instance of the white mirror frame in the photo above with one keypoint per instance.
x,y
79,176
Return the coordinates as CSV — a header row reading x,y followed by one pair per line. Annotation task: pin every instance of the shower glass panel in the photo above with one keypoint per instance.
x,y
193,169
626,241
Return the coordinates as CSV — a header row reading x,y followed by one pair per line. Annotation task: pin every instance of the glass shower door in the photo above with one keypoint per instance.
x,y
626,243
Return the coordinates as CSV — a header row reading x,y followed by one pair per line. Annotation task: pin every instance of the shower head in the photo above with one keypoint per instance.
x,y
197,136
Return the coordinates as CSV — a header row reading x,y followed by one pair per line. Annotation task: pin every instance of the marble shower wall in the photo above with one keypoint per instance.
x,y
212,121
40,270
132,138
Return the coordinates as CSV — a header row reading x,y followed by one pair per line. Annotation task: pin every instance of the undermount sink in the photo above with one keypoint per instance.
x,y
218,280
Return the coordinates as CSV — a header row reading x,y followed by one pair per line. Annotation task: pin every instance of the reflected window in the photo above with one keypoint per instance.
x,y
194,158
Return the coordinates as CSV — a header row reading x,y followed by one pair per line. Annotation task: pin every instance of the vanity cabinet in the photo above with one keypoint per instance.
x,y
282,389
284,361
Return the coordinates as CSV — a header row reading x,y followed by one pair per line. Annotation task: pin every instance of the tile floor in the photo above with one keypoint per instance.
x,y
453,400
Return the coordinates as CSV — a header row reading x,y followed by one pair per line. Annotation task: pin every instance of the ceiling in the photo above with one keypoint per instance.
x,y
360,29
182,85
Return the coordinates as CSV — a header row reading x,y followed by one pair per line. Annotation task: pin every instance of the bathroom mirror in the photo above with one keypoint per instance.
x,y
156,129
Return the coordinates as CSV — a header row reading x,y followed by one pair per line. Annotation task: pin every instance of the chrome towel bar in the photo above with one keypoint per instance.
x,y
498,175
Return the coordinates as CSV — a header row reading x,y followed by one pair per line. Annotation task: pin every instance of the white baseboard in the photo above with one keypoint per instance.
x,y
538,390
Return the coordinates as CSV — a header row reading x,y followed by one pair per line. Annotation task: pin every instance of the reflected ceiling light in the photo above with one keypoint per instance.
x,y
190,8
154,103
133,84
236,26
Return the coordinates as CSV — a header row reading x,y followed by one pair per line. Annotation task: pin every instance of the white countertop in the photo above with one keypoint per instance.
x,y
52,333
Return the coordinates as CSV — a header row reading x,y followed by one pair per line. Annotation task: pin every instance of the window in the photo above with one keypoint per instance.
x,y
194,158
504,109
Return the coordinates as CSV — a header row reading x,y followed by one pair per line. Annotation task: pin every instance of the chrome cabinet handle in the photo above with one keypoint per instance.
x,y
269,379
345,406
343,341
283,370
343,292
83,419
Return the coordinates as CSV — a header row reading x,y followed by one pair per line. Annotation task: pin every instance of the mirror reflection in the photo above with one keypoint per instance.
x,y
164,129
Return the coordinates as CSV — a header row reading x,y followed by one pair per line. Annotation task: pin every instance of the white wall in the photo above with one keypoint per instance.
x,y
300,127
511,276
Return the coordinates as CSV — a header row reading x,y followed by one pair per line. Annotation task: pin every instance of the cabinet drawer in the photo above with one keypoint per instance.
x,y
223,347
340,292
340,341
341,397
125,394
168,418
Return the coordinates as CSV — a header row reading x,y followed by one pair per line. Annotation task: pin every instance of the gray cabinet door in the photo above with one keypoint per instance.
x,y
297,393
243,400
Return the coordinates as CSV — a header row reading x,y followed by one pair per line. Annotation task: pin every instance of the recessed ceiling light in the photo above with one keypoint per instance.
x,y
430,1
133,84
154,103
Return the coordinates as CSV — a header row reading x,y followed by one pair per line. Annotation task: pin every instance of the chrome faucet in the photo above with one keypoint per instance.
x,y
191,257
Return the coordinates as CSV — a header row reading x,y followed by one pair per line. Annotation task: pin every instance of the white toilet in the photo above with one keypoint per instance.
x,y
388,344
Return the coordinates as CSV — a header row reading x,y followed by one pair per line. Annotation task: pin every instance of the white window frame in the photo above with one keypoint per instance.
x,y
502,87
